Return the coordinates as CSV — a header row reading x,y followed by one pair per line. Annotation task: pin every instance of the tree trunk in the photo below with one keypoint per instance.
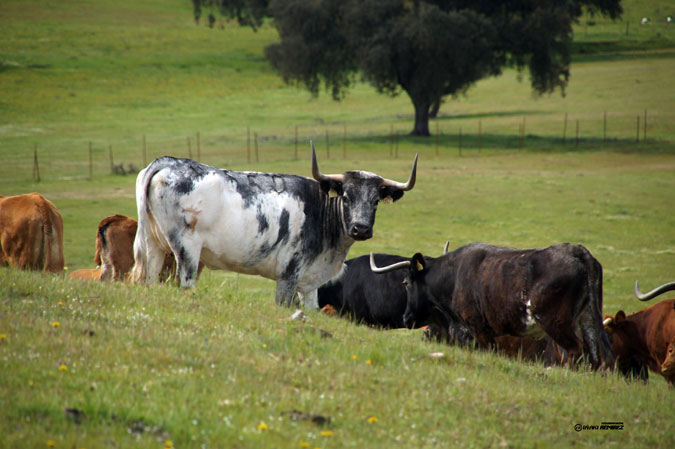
x,y
435,106
421,119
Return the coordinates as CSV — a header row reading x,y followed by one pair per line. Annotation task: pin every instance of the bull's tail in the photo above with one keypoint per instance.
x,y
146,240
52,238
596,341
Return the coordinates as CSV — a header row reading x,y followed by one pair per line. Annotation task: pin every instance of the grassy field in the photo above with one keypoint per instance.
x,y
89,365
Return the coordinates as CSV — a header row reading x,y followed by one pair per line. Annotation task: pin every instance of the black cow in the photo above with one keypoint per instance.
x,y
294,230
492,291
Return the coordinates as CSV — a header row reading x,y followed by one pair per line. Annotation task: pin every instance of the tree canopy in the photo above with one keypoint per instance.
x,y
428,49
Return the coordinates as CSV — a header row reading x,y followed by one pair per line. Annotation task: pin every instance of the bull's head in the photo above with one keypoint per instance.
x,y
420,300
628,358
359,193
668,365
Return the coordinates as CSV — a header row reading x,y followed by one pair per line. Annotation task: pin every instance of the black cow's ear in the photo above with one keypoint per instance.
x,y
331,188
418,263
620,316
389,194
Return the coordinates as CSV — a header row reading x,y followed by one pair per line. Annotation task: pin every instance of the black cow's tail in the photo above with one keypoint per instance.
x,y
596,342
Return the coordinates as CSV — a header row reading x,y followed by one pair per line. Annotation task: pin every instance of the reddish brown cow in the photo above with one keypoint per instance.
x,y
31,233
115,249
641,339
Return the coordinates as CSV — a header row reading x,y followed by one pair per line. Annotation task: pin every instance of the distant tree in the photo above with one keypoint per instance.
x,y
428,49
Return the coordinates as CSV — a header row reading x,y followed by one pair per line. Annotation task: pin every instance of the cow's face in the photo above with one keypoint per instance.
x,y
621,334
668,365
420,300
360,193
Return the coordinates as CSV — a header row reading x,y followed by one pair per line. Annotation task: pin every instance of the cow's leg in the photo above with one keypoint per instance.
x,y
310,300
154,258
286,291
187,248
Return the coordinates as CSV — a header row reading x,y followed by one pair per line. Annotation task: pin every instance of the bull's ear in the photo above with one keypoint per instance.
x,y
389,194
620,316
418,263
331,188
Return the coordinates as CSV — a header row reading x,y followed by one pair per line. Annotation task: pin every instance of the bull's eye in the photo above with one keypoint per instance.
x,y
345,199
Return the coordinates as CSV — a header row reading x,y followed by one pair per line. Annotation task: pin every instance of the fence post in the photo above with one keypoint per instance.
x,y
295,151
480,135
199,147
327,146
145,153
36,166
637,136
91,168
255,140
189,148
112,163
248,144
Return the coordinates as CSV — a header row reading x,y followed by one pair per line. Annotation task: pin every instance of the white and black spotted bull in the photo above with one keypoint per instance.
x,y
482,292
292,229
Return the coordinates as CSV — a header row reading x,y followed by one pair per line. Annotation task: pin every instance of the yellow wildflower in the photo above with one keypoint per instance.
x,y
369,362
51,443
2,337
168,444
63,368
372,419
354,357
60,303
56,324
326,433
262,426
304,444
31,383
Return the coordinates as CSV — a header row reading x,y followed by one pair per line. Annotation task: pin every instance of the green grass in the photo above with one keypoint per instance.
x,y
204,368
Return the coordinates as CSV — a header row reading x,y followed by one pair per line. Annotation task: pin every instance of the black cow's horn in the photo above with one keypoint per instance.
x,y
317,174
408,185
654,293
392,267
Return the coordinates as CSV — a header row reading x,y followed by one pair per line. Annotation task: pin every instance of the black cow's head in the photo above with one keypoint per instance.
x,y
420,301
359,193
622,335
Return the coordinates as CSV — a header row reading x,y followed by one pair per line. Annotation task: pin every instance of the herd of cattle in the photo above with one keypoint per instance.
x,y
536,304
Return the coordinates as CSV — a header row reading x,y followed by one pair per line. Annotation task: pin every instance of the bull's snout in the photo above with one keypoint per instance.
x,y
360,231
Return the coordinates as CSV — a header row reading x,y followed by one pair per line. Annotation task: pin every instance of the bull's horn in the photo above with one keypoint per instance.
x,y
317,174
653,293
408,185
392,267
607,321
445,248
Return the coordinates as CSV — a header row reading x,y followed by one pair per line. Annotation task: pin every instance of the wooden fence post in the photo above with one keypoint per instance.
x,y
637,135
255,140
199,145
112,163
36,166
248,144
145,153
327,146
91,168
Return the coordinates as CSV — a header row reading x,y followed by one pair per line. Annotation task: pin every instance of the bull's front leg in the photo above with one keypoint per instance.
x,y
285,291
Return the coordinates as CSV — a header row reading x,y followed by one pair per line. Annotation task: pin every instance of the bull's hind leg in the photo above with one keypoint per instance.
x,y
187,248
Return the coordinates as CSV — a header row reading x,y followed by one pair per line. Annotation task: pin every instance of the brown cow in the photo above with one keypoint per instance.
x,y
640,340
115,249
86,274
31,233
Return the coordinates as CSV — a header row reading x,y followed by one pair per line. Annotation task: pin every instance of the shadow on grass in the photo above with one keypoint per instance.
x,y
533,143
